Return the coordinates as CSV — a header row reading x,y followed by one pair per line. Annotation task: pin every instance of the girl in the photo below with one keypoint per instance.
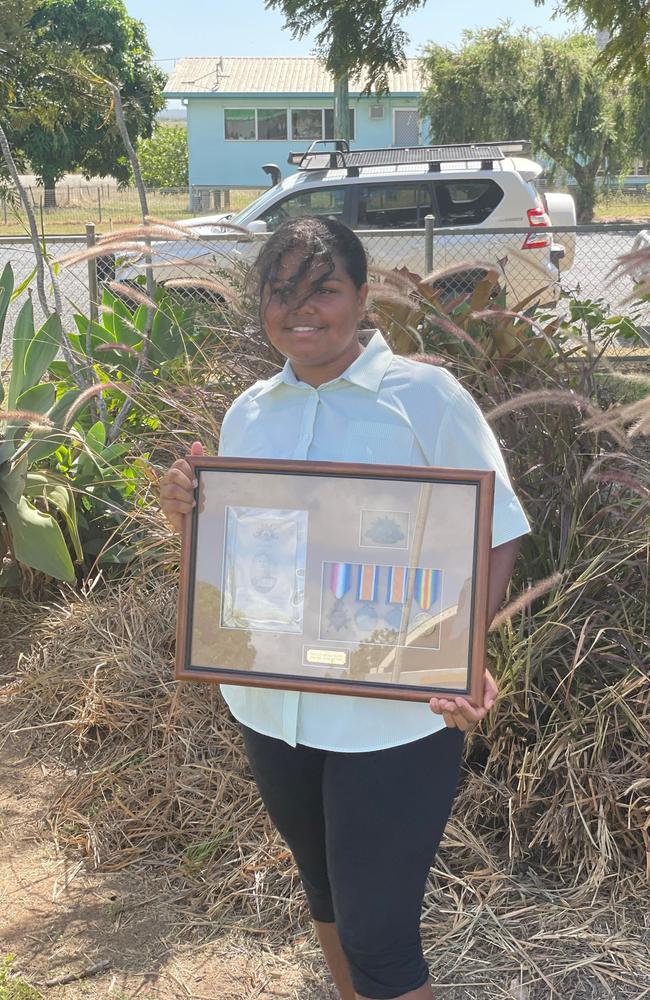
x,y
359,788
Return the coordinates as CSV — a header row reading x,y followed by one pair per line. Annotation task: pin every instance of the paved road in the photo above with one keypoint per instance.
x,y
595,257
73,281
590,275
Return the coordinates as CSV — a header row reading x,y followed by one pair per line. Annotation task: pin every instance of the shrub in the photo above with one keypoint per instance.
x,y
164,158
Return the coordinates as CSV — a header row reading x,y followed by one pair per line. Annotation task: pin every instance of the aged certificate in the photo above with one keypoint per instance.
x,y
264,569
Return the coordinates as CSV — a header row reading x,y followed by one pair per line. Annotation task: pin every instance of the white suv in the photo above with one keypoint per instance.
x,y
386,194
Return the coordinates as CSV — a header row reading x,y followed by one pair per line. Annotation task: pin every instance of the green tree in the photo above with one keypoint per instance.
x,y
628,22
18,67
354,38
503,84
163,157
60,118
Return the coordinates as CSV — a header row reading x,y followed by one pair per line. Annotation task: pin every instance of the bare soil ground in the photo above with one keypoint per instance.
x,y
58,918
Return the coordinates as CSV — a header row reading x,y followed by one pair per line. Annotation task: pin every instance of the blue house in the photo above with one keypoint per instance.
x,y
245,112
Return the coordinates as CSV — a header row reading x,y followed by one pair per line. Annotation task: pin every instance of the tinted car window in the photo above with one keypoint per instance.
x,y
328,201
466,203
394,206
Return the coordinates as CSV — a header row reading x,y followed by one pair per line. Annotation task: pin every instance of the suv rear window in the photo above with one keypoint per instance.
x,y
394,206
466,203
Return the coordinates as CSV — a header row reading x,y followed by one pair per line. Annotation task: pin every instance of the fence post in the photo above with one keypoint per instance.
x,y
429,226
93,283
99,202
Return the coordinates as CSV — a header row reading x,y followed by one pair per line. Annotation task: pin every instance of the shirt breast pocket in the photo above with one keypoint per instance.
x,y
378,443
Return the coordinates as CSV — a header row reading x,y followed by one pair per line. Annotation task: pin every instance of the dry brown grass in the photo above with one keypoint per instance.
x,y
540,879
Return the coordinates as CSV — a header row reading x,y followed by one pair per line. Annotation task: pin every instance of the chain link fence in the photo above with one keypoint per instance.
x,y
74,281
581,263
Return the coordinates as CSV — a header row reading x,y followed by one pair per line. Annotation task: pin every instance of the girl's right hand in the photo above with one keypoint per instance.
x,y
177,490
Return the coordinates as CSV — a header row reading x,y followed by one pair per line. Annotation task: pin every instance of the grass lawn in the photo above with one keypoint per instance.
x,y
122,208
623,208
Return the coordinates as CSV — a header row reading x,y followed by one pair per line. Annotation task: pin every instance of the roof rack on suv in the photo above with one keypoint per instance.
x,y
342,157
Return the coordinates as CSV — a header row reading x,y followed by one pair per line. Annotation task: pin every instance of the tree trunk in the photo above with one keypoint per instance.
x,y
585,177
585,198
49,191
341,109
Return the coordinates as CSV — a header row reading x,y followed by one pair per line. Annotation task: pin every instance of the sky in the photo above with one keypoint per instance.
x,y
245,28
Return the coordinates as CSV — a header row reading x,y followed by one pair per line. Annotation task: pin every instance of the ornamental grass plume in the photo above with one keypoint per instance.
x,y
34,420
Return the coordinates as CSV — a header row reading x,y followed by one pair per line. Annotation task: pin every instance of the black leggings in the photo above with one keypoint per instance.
x,y
364,829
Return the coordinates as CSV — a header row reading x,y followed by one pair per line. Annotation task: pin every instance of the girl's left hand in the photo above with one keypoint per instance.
x,y
458,713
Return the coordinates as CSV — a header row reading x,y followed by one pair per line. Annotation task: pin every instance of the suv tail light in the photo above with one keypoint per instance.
x,y
538,219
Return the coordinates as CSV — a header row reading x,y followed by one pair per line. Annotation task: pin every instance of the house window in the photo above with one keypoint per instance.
x,y
271,123
329,123
316,123
307,123
255,123
240,123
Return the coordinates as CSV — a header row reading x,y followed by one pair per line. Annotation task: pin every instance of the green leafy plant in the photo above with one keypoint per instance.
x,y
31,503
71,474
164,158
14,987
474,326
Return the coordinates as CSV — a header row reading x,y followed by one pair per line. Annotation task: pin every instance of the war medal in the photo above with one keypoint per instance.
x,y
368,583
367,590
398,578
426,589
396,590
339,584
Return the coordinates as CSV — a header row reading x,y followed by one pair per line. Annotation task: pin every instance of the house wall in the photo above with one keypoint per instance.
x,y
213,160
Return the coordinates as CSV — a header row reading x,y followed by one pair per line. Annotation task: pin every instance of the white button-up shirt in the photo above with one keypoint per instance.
x,y
383,409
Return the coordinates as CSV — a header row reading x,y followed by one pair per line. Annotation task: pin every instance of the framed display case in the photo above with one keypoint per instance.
x,y
338,578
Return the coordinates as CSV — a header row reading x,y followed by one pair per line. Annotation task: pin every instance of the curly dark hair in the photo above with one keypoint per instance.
x,y
319,240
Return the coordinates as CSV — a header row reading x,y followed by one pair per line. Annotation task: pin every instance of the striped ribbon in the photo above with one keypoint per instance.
x,y
398,578
340,578
426,587
368,583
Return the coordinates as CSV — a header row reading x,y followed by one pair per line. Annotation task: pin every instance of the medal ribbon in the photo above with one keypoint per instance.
x,y
398,578
340,579
427,587
368,583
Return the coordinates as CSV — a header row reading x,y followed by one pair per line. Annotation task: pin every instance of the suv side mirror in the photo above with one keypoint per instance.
x,y
274,172
257,226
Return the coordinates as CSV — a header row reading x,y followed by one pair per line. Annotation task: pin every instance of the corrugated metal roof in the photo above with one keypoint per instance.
x,y
276,75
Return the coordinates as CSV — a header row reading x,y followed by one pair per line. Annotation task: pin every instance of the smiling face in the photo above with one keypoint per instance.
x,y
314,321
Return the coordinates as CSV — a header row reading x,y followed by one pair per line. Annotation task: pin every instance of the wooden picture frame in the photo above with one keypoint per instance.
x,y
336,578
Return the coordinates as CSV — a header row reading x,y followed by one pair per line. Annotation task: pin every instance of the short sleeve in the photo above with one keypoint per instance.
x,y
466,440
235,424
225,435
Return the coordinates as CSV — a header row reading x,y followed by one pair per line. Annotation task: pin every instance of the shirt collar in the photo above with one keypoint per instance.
x,y
366,371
